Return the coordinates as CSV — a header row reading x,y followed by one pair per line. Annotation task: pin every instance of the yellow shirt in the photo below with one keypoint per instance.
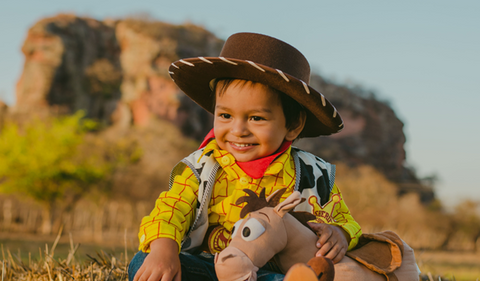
x,y
174,210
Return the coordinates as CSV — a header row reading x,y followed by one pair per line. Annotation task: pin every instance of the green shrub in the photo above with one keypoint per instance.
x,y
52,161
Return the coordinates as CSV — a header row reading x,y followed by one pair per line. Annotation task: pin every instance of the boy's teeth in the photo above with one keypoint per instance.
x,y
241,144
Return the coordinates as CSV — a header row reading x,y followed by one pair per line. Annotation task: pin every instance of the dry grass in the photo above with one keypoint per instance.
x,y
49,268
47,265
450,265
373,201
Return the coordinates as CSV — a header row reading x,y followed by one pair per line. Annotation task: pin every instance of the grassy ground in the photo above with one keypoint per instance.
x,y
28,249
42,260
33,260
453,265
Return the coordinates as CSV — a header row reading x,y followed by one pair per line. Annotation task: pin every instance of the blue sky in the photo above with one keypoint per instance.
x,y
422,56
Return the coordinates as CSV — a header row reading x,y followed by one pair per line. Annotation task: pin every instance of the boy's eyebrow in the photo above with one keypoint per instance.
x,y
260,110
221,107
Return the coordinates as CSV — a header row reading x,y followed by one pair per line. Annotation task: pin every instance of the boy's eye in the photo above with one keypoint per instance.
x,y
225,115
256,118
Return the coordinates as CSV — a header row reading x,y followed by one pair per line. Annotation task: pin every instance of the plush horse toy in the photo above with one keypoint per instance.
x,y
269,231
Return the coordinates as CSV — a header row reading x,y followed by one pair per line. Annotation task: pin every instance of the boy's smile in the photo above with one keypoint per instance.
x,y
249,121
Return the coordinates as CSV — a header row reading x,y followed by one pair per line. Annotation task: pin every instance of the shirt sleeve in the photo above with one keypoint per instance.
x,y
344,219
173,214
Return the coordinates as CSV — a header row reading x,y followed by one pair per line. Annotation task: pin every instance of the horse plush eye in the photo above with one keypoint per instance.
x,y
252,230
236,226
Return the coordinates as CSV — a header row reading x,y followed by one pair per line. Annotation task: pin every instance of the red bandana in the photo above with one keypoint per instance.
x,y
255,168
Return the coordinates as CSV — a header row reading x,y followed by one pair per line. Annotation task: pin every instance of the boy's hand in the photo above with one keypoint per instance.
x,y
162,263
332,242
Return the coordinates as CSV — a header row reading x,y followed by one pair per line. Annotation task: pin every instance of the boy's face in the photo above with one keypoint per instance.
x,y
249,121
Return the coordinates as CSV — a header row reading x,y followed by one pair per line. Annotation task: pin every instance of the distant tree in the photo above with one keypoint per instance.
x,y
451,228
467,213
430,180
43,160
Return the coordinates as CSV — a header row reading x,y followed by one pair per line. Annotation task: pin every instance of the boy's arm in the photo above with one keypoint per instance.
x,y
162,263
173,213
344,219
336,237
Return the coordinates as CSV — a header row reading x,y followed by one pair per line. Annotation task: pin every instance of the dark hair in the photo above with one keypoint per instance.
x,y
291,108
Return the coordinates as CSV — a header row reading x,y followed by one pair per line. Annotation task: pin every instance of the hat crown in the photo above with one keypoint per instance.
x,y
268,51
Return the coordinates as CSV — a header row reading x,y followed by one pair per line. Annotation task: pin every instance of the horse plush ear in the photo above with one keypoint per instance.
x,y
289,204
275,197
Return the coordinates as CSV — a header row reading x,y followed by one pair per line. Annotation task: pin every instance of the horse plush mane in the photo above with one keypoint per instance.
x,y
268,231
255,203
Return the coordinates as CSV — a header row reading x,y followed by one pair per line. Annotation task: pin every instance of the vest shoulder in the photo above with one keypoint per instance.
x,y
308,156
196,155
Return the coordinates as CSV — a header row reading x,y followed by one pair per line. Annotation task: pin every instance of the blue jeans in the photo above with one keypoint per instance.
x,y
201,267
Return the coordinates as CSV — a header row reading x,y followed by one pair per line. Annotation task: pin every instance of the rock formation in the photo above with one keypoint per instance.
x,y
373,135
372,131
71,63
117,71
147,50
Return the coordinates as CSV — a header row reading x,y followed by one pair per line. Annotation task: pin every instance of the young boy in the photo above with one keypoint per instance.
x,y
259,94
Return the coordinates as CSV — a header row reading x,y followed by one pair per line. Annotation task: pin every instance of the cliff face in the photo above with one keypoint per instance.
x,y
372,131
147,50
373,135
117,71
71,63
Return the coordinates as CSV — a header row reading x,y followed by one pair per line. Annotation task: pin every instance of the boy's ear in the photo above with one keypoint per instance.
x,y
293,133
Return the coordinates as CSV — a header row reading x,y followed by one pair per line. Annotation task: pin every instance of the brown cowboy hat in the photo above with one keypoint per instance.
x,y
263,59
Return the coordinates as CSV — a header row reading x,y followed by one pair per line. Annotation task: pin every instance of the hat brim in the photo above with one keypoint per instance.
x,y
193,77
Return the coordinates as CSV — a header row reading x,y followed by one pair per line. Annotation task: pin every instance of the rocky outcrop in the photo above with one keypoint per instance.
x,y
147,50
373,135
372,131
71,63
117,71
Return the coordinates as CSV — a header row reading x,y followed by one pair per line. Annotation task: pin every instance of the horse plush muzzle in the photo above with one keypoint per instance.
x,y
232,264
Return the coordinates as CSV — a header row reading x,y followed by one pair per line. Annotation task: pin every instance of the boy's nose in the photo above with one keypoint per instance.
x,y
239,128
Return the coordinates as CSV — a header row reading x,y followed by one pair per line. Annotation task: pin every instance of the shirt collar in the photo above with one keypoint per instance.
x,y
257,168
